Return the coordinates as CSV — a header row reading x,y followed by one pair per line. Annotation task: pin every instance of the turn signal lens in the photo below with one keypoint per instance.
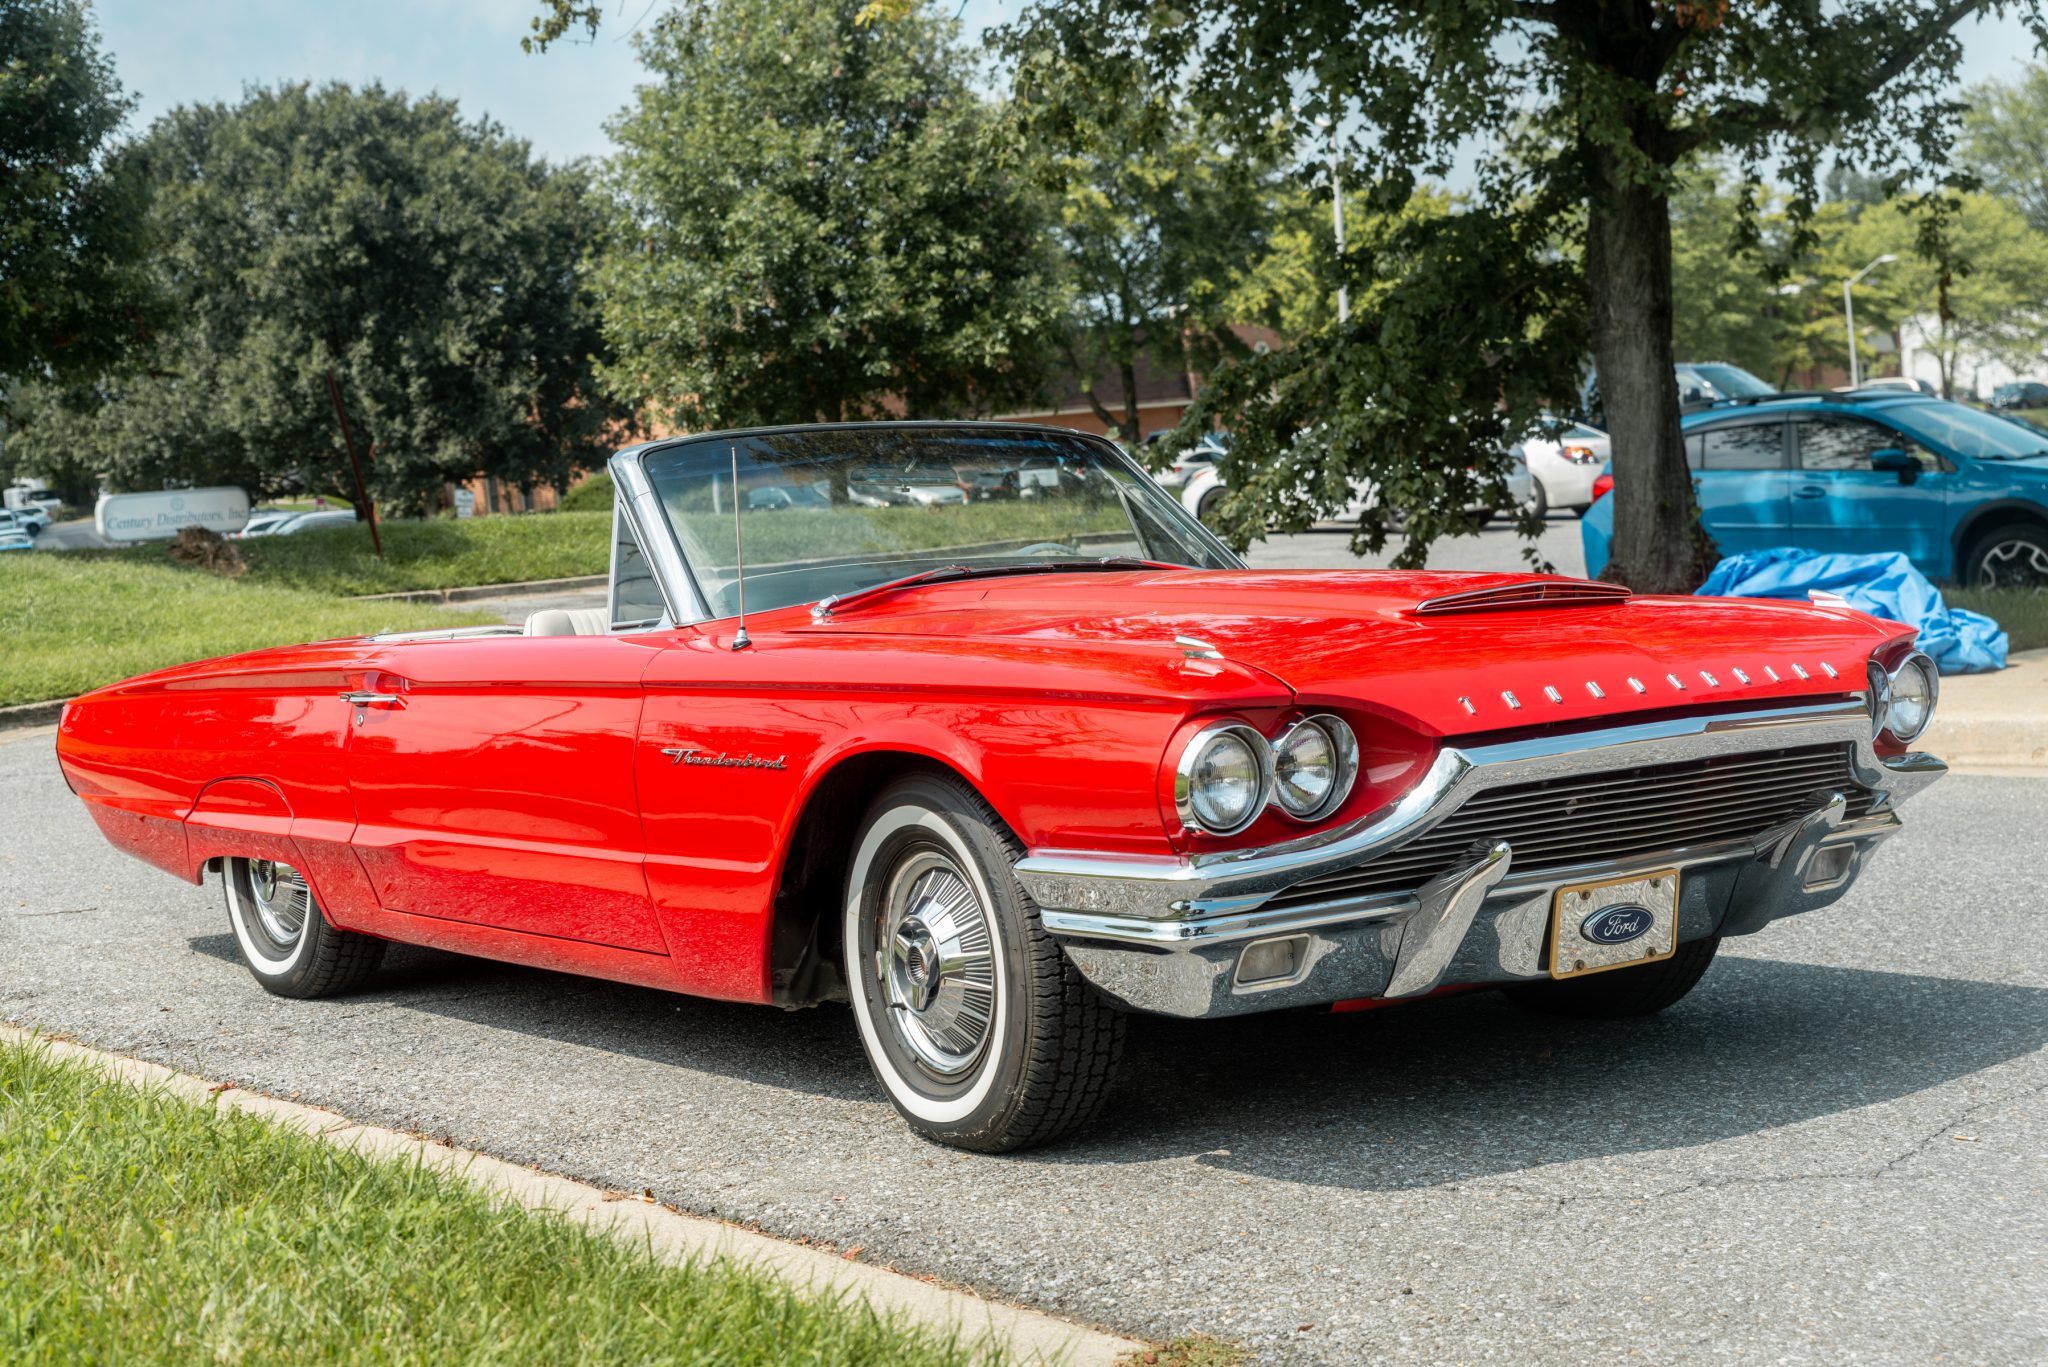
x,y
1221,784
1314,762
1915,686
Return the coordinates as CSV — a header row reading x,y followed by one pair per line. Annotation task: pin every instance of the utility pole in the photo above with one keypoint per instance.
x,y
1849,312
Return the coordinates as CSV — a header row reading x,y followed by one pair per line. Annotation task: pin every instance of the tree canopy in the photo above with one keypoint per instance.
x,y
1160,219
73,292
811,220
427,260
1576,120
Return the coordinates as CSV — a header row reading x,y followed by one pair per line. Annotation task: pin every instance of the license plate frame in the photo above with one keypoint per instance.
x,y
1575,906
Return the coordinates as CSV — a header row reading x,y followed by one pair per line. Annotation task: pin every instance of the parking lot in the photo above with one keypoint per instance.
x,y
1832,1151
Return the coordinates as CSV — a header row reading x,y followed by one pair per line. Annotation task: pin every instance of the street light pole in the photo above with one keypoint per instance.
x,y
1849,312
1337,216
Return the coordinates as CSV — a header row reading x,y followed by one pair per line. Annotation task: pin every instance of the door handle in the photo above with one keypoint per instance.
x,y
1810,491
364,699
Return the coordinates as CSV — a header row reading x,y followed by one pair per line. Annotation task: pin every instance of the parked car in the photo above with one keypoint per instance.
x,y
2020,394
266,522
306,522
13,522
13,538
1701,385
995,797
1562,468
1888,382
1963,493
773,497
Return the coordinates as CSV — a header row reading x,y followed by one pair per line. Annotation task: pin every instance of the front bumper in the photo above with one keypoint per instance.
x,y
1166,935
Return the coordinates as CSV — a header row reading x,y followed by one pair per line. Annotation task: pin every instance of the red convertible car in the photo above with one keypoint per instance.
x,y
996,771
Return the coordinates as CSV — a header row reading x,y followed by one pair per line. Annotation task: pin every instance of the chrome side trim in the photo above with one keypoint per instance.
x,y
1207,890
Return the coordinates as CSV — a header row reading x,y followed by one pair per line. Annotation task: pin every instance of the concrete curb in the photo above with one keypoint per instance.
x,y
470,592
31,714
1994,721
1030,1336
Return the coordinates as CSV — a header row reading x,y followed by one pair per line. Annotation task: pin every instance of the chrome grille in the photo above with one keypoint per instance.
x,y
1608,815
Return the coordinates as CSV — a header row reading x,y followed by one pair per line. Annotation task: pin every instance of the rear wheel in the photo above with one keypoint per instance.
x,y
1205,507
286,940
980,1030
1622,992
2014,556
1539,498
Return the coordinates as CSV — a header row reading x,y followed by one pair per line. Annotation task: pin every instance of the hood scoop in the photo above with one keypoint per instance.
x,y
1534,593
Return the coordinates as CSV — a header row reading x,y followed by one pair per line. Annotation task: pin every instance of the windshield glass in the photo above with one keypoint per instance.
x,y
1967,432
1732,381
830,511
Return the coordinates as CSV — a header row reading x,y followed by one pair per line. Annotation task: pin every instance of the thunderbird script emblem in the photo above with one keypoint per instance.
x,y
678,754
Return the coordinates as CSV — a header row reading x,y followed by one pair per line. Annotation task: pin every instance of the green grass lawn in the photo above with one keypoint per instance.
x,y
139,1228
2024,615
441,554
73,620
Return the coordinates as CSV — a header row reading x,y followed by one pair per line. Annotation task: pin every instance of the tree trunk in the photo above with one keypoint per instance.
x,y
1132,436
1658,544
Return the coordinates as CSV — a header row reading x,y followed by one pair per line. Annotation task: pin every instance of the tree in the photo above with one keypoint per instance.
x,y
429,262
1577,117
1968,278
2005,141
73,292
811,219
1159,219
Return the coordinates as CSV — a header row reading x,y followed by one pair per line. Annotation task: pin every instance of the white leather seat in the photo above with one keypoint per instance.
x,y
568,622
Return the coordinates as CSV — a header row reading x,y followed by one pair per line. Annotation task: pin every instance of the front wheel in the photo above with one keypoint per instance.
x,y
286,940
2014,556
978,1027
1623,992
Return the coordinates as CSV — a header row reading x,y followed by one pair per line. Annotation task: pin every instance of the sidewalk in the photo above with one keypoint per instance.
x,y
1994,721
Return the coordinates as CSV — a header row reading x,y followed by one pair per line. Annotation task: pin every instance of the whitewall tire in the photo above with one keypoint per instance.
x,y
285,939
980,1030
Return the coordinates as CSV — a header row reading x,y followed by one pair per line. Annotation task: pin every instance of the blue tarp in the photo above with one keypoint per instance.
x,y
1884,586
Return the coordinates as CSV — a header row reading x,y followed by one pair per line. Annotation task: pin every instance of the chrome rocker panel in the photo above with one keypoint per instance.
x,y
1164,935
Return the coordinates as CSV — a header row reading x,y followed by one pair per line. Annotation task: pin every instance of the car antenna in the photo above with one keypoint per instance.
x,y
740,640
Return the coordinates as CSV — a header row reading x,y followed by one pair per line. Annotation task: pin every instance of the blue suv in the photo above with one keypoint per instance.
x,y
1963,493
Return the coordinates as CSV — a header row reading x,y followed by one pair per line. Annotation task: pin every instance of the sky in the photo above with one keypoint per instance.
x,y
172,52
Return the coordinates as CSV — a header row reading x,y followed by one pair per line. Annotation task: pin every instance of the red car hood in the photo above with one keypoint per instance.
x,y
1352,636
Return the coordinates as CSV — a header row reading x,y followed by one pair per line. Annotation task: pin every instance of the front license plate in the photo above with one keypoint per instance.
x,y
1613,924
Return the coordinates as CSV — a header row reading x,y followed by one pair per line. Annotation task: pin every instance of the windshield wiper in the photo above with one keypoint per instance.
x,y
839,602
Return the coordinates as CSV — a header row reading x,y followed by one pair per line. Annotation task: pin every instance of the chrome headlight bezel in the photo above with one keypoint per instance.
x,y
1880,697
1923,665
1344,753
1191,755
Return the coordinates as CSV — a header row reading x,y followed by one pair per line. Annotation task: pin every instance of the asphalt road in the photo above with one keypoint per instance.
x,y
1835,1150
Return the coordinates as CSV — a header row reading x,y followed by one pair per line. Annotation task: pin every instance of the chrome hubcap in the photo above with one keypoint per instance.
x,y
2014,564
935,964
281,898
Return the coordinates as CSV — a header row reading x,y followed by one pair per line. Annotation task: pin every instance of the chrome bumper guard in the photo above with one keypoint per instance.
x,y
1166,935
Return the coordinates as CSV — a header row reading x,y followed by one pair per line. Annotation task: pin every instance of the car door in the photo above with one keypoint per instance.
x,y
493,783
1843,503
1743,476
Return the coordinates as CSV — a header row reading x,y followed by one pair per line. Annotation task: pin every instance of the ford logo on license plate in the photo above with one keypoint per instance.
x,y
1617,925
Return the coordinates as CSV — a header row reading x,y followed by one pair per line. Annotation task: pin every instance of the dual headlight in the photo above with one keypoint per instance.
x,y
1902,699
1229,773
